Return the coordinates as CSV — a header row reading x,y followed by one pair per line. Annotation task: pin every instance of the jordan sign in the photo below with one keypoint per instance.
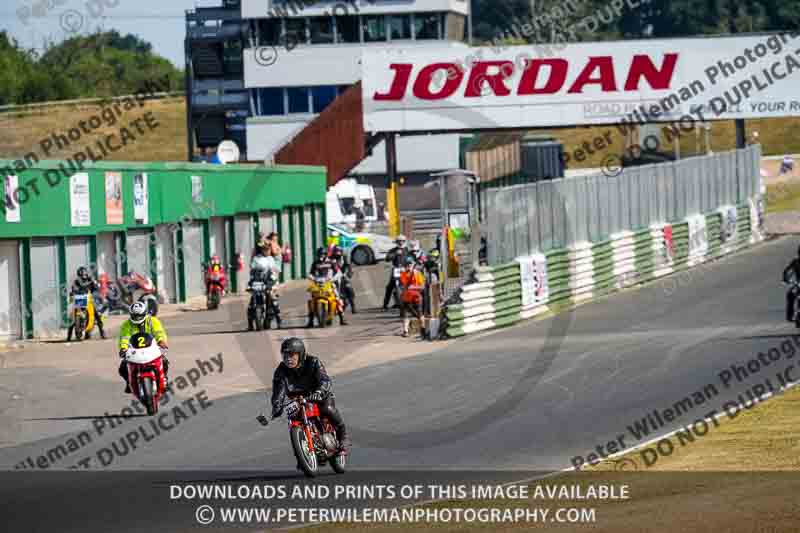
x,y
460,88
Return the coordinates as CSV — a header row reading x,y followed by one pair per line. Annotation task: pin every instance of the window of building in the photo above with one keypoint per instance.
x,y
322,97
347,30
271,101
321,30
400,27
269,32
296,31
374,28
298,100
426,25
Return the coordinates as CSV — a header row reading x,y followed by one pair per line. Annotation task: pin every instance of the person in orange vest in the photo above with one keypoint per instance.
x,y
412,283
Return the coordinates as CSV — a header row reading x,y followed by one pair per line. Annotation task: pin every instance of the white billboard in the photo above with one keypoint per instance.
x,y
581,84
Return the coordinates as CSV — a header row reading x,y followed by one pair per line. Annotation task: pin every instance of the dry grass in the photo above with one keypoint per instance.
x,y
23,134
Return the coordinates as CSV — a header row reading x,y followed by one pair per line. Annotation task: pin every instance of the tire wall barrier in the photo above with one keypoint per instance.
x,y
493,297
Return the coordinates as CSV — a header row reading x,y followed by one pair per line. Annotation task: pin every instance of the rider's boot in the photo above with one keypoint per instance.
x,y
310,323
342,321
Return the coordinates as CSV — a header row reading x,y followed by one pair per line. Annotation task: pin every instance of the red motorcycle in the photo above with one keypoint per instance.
x,y
138,288
313,437
146,371
215,284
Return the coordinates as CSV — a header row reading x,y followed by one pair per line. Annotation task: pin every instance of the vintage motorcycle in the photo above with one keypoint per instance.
x,y
138,288
324,304
263,307
215,286
82,317
146,371
313,437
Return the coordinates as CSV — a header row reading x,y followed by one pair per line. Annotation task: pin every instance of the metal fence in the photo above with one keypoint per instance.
x,y
541,216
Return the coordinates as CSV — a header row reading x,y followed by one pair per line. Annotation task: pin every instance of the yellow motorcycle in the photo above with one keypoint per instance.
x,y
82,317
323,304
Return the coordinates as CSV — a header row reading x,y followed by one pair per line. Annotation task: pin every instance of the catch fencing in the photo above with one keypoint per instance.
x,y
543,261
548,215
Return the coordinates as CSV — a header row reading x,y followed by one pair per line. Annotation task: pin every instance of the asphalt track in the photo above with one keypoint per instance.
x,y
523,399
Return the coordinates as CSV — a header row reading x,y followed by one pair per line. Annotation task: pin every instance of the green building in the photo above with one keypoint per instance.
x,y
160,219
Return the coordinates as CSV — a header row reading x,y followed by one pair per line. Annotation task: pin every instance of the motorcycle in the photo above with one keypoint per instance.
x,y
324,304
82,317
146,371
136,287
263,308
313,437
215,286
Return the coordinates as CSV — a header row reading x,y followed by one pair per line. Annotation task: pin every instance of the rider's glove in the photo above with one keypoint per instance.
x,y
316,396
122,353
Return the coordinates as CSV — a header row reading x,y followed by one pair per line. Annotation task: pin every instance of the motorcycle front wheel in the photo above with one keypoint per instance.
x,y
322,316
302,451
148,400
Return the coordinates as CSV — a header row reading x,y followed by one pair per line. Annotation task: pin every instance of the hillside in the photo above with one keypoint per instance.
x,y
21,133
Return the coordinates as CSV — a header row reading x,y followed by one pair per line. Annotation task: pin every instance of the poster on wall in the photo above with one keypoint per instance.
x,y
533,276
11,184
698,236
197,189
113,198
79,200
728,229
140,198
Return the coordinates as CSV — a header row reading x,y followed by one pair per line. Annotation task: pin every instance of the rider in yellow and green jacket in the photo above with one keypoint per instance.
x,y
140,321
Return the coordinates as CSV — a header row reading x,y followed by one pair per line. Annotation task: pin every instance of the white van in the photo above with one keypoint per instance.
x,y
343,198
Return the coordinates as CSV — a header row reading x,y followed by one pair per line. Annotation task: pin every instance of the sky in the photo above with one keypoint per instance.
x,y
160,22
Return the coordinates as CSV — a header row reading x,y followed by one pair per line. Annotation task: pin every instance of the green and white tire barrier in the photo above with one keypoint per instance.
x,y
585,271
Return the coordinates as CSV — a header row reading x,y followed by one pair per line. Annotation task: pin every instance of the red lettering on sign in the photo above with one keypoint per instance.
x,y
643,67
422,87
398,89
480,75
556,79
605,64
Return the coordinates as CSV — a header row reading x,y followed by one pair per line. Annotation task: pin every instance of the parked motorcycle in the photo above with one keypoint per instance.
x,y
324,304
263,308
82,317
146,371
215,286
313,437
138,288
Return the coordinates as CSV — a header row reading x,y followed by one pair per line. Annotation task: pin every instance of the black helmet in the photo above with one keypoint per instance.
x,y
293,345
337,252
321,252
83,273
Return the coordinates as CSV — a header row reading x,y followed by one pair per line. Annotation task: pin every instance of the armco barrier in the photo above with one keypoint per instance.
x,y
493,296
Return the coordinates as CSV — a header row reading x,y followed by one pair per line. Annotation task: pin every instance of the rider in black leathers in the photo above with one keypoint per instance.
x,y
791,272
397,257
309,379
85,284
342,266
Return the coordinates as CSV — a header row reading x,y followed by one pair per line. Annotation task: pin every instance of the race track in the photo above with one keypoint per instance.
x,y
526,398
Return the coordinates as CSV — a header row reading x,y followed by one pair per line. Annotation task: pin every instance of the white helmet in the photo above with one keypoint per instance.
x,y
400,238
139,312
